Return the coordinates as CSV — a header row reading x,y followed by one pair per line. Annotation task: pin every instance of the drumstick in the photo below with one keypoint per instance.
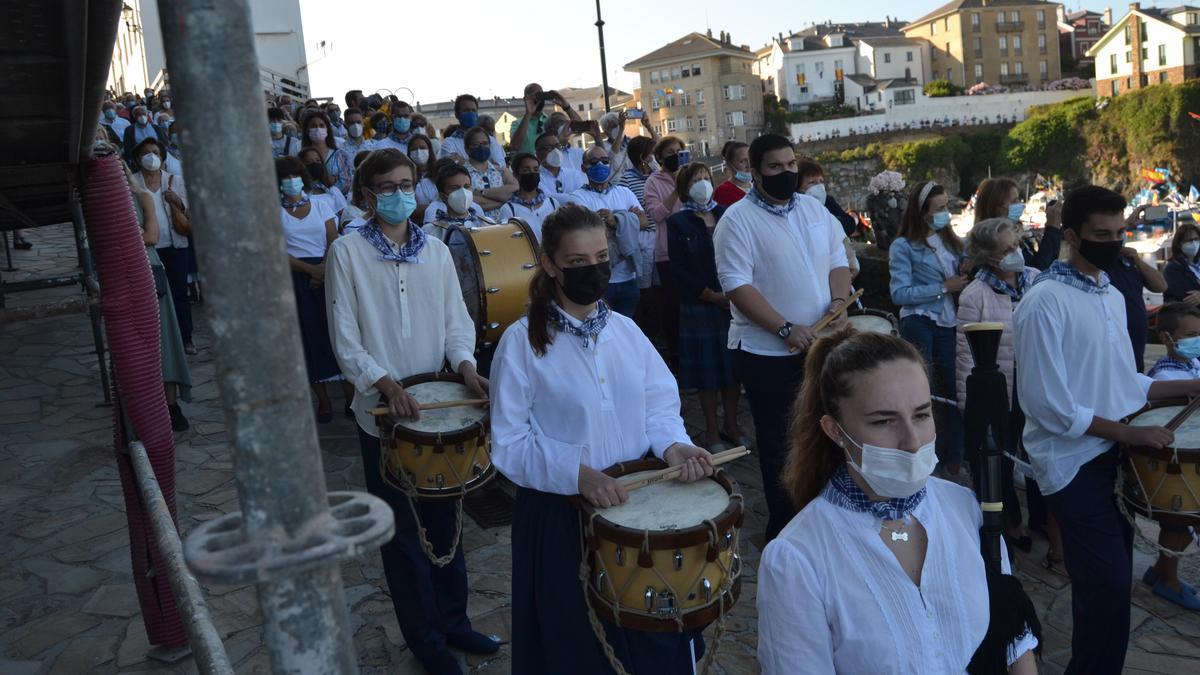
x,y
828,318
435,406
675,471
1182,416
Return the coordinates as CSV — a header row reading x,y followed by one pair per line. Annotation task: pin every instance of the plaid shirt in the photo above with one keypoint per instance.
x,y
388,251
757,199
844,492
1062,272
690,205
987,276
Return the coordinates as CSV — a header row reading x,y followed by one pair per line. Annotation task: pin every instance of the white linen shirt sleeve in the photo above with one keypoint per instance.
x,y
793,632
664,426
460,333
341,300
520,450
1045,391
735,256
835,235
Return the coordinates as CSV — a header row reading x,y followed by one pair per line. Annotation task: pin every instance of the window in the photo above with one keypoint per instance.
x,y
664,74
1142,30
1162,77
820,70
908,73
683,98
1145,53
1112,64
1041,18
1115,88
735,119
908,56
695,69
933,29
839,69
1041,43
905,97
1128,33
1017,45
1192,19
654,76
887,58
675,73
1000,18
977,44
1093,28
670,100
672,125
687,72
1004,69
580,107
1003,45
978,72
688,124
699,97
1019,67
1162,55
950,74
1043,68
1128,56
655,103
734,92
1014,16
702,123
975,21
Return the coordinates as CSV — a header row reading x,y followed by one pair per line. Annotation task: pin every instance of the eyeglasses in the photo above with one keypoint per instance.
x,y
390,189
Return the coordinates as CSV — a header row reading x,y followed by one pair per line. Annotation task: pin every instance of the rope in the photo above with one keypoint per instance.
x,y
1132,517
410,492
593,619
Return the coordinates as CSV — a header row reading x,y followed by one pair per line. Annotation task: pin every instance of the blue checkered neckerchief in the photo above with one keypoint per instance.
x,y
1061,271
987,276
290,205
844,492
406,253
607,187
758,200
531,205
690,205
443,216
1167,363
588,328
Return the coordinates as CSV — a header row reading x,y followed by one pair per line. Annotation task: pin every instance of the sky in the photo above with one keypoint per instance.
x,y
418,50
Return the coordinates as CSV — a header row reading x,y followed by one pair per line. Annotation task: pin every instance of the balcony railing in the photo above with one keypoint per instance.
x,y
1015,78
1010,26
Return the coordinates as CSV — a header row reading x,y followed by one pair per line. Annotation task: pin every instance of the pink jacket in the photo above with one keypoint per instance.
x,y
659,189
980,302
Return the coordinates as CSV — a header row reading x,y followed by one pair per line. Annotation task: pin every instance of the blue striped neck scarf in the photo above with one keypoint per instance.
x,y
588,328
987,276
844,492
1062,272
290,205
690,205
760,201
387,250
531,205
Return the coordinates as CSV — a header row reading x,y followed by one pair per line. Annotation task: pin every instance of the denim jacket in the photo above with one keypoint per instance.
x,y
917,278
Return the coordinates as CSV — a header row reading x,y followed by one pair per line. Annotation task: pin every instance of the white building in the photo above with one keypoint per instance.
x,y
278,40
815,65
1147,47
128,71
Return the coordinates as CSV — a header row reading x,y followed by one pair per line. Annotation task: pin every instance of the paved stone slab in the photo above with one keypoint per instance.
x,y
71,579
120,601
82,655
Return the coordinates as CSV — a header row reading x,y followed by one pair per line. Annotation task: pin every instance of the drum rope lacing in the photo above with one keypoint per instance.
x,y
726,589
1149,506
410,491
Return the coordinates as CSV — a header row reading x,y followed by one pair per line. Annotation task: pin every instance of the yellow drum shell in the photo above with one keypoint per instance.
x,y
1164,484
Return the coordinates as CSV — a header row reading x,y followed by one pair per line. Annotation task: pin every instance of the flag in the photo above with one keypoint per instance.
x,y
1193,194
1153,176
1194,116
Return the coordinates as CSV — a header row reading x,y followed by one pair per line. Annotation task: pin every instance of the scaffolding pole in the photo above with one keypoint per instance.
x,y
287,539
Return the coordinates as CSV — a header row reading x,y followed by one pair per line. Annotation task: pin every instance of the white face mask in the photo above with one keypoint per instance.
x,y
420,156
1013,262
816,191
894,473
554,158
1190,249
151,161
460,200
142,120
701,192
355,130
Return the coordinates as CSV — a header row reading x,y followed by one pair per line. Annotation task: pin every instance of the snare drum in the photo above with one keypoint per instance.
x,y
495,264
443,455
1165,484
667,559
869,321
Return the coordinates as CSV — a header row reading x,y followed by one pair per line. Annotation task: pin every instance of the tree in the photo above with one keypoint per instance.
x,y
940,88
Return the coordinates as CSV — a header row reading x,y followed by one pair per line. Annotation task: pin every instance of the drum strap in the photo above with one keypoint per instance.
x,y
410,491
1123,497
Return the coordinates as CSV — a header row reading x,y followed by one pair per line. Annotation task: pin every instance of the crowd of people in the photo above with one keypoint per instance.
x,y
656,275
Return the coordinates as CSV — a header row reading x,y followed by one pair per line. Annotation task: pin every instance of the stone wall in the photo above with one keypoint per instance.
x,y
848,181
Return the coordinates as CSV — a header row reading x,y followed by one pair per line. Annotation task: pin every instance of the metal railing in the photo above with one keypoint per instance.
x,y
207,648
1010,26
277,83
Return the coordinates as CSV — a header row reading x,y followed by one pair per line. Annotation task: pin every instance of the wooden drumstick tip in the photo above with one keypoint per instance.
x,y
675,471
828,318
377,412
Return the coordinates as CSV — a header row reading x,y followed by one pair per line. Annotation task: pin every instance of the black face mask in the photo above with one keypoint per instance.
x,y
1102,254
585,285
316,171
671,163
528,182
781,186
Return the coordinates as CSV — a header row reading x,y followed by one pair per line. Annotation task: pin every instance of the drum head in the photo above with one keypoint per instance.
x,y
669,505
871,323
446,420
1186,436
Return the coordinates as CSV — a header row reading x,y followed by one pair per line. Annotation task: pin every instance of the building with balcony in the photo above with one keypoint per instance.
x,y
1010,42
1079,31
1147,47
703,90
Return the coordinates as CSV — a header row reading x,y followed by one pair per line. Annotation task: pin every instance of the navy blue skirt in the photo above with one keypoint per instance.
x,y
314,327
705,361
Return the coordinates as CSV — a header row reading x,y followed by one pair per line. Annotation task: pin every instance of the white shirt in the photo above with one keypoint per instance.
x,y
390,142
1192,372
1075,364
426,192
391,318
833,599
118,125
439,207
334,199
597,405
532,217
453,145
787,259
567,181
615,198
306,236
167,236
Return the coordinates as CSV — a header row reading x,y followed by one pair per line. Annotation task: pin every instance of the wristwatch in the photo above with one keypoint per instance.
x,y
785,330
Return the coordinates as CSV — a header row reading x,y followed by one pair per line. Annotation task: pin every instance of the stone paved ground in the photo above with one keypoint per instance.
x,y
66,594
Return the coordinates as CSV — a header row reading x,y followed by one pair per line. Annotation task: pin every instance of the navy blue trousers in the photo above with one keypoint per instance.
x,y
430,601
1098,552
623,297
937,344
550,629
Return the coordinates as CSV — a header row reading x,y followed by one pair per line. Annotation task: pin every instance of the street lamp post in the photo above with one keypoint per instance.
x,y
603,63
